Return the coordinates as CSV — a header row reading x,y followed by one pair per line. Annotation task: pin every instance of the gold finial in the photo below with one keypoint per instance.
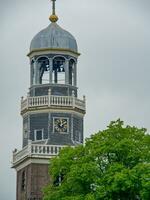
x,y
53,17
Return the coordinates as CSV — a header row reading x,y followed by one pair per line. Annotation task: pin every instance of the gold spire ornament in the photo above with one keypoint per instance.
x,y
53,18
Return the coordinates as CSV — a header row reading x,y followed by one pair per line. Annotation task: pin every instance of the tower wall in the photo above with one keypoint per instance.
x,y
36,177
45,122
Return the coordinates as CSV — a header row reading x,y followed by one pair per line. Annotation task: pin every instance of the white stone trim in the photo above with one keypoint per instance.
x,y
32,161
50,110
46,52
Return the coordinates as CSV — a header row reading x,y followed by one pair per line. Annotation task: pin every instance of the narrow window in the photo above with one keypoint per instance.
x,y
23,181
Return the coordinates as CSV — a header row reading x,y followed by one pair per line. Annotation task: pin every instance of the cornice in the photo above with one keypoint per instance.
x,y
43,51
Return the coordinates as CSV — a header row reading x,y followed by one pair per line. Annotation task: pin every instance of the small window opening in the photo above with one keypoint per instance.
x,y
38,134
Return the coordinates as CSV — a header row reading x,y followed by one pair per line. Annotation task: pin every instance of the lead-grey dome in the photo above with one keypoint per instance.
x,y
54,37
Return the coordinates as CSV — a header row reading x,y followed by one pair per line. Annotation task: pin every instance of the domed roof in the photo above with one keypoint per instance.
x,y
54,37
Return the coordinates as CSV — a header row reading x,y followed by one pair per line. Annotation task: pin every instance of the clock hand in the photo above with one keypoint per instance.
x,y
64,122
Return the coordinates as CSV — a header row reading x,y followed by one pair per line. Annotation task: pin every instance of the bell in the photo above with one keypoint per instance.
x,y
59,69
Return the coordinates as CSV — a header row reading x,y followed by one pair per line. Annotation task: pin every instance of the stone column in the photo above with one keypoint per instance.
x,y
37,73
75,75
50,70
31,73
67,72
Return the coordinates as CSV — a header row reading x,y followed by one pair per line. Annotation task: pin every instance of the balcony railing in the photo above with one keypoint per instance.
x,y
36,150
52,100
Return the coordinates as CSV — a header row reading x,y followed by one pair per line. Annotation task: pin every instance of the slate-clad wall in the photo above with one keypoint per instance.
x,y
45,121
39,121
78,129
25,130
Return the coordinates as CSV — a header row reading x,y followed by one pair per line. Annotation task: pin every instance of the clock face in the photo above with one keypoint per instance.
x,y
61,125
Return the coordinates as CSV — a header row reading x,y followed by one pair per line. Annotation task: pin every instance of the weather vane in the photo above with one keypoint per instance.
x,y
53,18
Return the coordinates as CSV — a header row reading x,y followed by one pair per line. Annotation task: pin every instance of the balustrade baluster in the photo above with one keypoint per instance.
x,y
59,149
52,150
33,149
48,150
65,101
33,102
55,150
43,150
40,149
69,101
36,101
28,102
37,149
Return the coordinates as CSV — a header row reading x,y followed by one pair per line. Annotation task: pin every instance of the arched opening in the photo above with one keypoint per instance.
x,y
58,72
71,72
43,70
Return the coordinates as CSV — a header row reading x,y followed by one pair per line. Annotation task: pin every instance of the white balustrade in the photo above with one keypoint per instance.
x,y
21,154
80,104
52,100
36,150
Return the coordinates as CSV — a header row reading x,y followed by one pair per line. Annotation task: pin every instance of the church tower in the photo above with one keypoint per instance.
x,y
52,112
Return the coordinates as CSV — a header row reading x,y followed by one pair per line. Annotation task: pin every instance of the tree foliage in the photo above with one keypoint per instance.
x,y
114,164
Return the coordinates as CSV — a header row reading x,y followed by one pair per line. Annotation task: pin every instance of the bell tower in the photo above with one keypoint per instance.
x,y
52,112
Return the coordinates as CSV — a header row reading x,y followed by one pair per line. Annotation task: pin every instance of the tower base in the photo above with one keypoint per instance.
x,y
30,181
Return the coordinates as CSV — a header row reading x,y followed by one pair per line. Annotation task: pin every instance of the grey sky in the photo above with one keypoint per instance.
x,y
113,70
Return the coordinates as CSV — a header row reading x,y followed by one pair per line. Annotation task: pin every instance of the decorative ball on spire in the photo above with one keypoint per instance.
x,y
53,18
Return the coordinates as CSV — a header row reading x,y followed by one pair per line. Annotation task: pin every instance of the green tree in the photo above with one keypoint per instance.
x,y
114,164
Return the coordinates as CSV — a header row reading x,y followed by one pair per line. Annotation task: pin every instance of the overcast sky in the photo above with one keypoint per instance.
x,y
113,70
